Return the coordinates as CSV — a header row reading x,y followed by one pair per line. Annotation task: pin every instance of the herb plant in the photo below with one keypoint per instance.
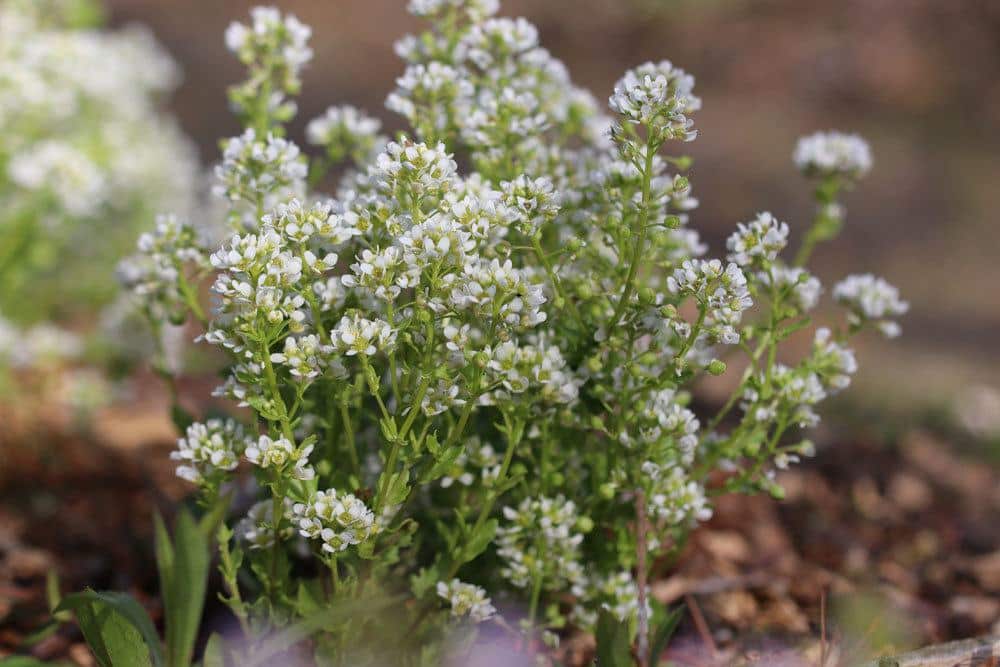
x,y
469,372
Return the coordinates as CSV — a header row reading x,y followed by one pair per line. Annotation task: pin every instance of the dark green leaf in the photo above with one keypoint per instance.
x,y
117,629
397,489
23,661
663,633
180,417
215,652
614,647
477,543
296,632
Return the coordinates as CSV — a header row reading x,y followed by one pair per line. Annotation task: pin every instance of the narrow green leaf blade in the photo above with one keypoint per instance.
x,y
188,580
663,633
215,652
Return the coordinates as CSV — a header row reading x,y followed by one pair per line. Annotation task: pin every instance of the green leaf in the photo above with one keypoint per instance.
x,y
614,646
184,587
210,520
264,407
180,417
117,629
289,636
663,633
308,599
425,580
478,543
23,661
397,489
215,652
442,464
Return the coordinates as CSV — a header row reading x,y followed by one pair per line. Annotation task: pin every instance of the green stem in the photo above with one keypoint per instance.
x,y
191,298
513,439
352,450
647,174
554,278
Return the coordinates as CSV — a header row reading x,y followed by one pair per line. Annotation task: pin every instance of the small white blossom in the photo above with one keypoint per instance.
x,y
256,529
466,600
209,450
252,167
871,299
337,520
833,154
282,455
660,97
357,335
761,239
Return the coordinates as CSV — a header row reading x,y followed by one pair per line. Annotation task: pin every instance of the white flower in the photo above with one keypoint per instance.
x,y
270,33
675,498
833,154
305,356
834,362
337,520
531,202
466,600
477,10
208,450
660,97
723,292
800,287
358,335
539,536
871,299
256,529
252,167
282,455
761,239
344,131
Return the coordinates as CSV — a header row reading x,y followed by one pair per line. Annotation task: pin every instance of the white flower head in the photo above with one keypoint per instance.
x,y
827,154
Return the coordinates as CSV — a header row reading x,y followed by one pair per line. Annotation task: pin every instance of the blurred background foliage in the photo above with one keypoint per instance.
x,y
919,78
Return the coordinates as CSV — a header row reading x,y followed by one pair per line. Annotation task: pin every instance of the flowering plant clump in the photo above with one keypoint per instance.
x,y
86,157
469,370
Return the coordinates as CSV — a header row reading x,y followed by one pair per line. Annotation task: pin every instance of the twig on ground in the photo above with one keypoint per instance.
x,y
642,642
982,652
822,627
702,626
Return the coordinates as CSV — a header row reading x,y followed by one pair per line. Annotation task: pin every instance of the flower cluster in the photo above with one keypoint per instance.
x,y
659,97
337,520
88,154
281,455
827,154
539,542
871,299
209,449
466,600
346,132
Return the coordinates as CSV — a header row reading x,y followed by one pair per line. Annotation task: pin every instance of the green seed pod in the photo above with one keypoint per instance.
x,y
717,367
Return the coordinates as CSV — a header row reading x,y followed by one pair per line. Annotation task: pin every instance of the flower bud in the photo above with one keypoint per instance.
x,y
716,367
585,524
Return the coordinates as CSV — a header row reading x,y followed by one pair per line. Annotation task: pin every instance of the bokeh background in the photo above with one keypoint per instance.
x,y
919,78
